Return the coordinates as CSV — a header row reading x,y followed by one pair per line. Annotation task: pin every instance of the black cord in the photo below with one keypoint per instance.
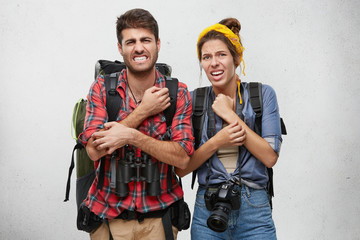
x,y
136,102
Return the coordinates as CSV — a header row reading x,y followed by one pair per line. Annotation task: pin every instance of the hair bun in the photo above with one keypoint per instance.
x,y
233,24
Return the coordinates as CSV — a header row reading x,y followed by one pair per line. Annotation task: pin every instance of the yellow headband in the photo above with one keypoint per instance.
x,y
234,39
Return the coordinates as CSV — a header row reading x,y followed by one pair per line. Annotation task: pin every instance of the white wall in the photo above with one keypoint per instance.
x,y
307,50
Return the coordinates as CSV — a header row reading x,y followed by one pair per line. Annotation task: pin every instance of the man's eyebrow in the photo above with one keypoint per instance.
x,y
145,38
130,40
134,40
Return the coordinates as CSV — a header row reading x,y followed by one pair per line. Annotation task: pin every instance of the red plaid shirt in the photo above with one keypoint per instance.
x,y
104,202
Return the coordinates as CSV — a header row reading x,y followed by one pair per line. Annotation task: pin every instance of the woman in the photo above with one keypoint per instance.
x,y
233,209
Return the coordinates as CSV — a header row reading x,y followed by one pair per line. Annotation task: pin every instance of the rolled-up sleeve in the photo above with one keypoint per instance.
x,y
182,126
96,114
271,127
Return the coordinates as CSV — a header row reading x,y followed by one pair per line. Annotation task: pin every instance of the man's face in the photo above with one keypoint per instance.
x,y
139,49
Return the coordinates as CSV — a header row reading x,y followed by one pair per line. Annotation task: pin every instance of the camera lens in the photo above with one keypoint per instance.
x,y
218,220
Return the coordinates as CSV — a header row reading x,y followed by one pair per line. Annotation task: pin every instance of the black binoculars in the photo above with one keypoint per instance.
x,y
132,168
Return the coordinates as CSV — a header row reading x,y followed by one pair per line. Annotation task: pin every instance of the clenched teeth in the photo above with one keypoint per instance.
x,y
217,73
138,59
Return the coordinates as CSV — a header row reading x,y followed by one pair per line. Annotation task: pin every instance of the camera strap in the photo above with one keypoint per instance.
x,y
211,128
113,169
238,109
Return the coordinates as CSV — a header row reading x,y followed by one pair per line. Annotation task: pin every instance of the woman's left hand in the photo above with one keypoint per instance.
x,y
231,135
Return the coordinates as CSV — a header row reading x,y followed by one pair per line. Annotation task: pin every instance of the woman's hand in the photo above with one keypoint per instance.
x,y
223,105
231,135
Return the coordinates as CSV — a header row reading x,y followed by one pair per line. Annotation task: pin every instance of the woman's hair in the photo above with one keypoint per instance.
x,y
136,18
234,25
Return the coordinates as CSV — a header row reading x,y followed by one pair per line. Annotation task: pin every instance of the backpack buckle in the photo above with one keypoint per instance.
x,y
112,92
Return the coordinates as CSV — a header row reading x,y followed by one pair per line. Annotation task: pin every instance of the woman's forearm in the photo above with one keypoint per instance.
x,y
255,144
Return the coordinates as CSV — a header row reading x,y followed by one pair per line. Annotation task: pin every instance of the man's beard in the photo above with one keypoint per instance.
x,y
139,69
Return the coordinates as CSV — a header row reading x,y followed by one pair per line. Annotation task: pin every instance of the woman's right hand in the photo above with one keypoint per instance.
x,y
223,105
232,135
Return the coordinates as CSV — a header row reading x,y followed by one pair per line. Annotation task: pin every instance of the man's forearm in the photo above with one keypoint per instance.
x,y
135,118
165,151
202,154
93,153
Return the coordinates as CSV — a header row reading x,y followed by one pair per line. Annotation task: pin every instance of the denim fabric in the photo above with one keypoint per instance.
x,y
252,221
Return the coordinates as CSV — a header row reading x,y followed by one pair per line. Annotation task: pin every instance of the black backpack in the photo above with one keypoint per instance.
x,y
85,172
255,96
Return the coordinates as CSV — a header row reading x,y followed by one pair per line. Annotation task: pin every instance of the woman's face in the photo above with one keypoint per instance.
x,y
218,63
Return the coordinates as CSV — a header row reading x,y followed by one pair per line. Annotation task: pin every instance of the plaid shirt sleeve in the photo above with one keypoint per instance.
x,y
96,114
182,125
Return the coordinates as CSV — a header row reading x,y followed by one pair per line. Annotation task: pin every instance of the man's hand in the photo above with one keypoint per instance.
x,y
154,101
114,136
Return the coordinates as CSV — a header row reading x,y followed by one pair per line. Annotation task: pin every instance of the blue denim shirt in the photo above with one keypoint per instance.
x,y
252,170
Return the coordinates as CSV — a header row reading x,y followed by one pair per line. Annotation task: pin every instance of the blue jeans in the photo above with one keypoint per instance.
x,y
252,221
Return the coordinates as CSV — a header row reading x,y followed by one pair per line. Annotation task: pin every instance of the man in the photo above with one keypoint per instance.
x,y
141,127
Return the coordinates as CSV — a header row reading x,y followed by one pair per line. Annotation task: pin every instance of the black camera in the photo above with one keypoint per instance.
x,y
220,201
132,168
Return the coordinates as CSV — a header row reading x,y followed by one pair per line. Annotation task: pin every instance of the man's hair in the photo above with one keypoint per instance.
x,y
136,18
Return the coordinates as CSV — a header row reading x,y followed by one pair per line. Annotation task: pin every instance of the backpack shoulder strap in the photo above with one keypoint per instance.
x,y
113,105
113,102
199,102
255,98
172,85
